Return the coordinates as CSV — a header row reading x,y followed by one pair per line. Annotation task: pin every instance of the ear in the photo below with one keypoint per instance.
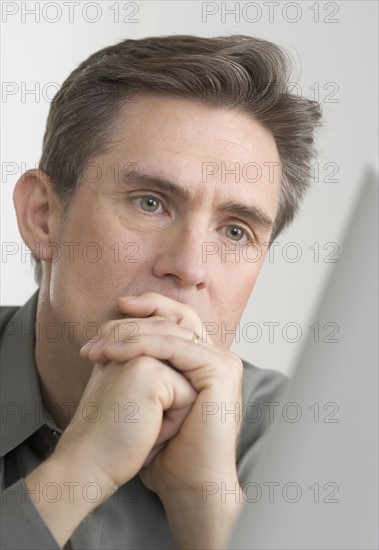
x,y
38,212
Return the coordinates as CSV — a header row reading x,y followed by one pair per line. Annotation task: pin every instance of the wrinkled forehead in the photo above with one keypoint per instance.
x,y
206,129
201,146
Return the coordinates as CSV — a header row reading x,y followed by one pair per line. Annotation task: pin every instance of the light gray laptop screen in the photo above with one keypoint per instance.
x,y
316,483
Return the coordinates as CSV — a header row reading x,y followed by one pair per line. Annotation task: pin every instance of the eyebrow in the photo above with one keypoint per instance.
x,y
252,213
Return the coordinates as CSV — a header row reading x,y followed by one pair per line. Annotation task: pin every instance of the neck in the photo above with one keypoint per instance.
x,y
63,374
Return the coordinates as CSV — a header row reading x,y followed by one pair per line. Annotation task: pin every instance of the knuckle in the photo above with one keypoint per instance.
x,y
189,319
166,325
146,366
119,330
107,328
170,341
235,360
151,295
233,363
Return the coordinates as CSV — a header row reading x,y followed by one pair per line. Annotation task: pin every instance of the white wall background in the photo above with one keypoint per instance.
x,y
334,45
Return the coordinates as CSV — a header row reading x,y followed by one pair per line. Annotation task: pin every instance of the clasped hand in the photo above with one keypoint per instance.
x,y
171,379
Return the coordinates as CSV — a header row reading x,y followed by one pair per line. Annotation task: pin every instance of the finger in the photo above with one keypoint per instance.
x,y
172,422
153,453
152,303
129,332
155,388
201,363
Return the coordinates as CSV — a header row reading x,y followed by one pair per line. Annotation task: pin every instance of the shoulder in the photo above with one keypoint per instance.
x,y
262,394
6,313
261,384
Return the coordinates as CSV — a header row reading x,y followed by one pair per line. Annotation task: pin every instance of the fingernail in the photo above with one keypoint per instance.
x,y
97,348
87,346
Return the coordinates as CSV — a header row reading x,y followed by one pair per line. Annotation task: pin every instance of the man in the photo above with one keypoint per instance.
x,y
169,165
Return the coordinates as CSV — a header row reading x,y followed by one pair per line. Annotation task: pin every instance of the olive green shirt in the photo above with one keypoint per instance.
x,y
134,517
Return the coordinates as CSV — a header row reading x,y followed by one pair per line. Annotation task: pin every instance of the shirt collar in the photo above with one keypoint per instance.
x,y
22,410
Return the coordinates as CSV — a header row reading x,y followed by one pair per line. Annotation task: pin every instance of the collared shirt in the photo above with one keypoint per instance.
x,y
134,517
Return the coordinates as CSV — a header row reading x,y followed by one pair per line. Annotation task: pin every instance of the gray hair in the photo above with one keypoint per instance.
x,y
241,72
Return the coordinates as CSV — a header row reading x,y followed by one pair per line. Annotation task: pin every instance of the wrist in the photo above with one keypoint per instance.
x,y
64,492
204,519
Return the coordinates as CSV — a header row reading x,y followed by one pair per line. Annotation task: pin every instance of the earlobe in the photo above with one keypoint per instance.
x,y
36,208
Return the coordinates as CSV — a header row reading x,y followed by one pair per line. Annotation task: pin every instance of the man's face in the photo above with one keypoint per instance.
x,y
194,240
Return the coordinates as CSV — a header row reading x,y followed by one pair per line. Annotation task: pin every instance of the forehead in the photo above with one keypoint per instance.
x,y
206,149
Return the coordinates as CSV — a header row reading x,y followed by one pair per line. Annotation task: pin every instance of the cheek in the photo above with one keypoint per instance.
x,y
93,268
237,292
231,291
104,258
241,270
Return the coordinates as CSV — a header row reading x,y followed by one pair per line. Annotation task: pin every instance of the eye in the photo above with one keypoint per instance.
x,y
236,233
148,203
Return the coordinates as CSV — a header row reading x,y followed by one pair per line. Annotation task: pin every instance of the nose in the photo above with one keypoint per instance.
x,y
181,257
